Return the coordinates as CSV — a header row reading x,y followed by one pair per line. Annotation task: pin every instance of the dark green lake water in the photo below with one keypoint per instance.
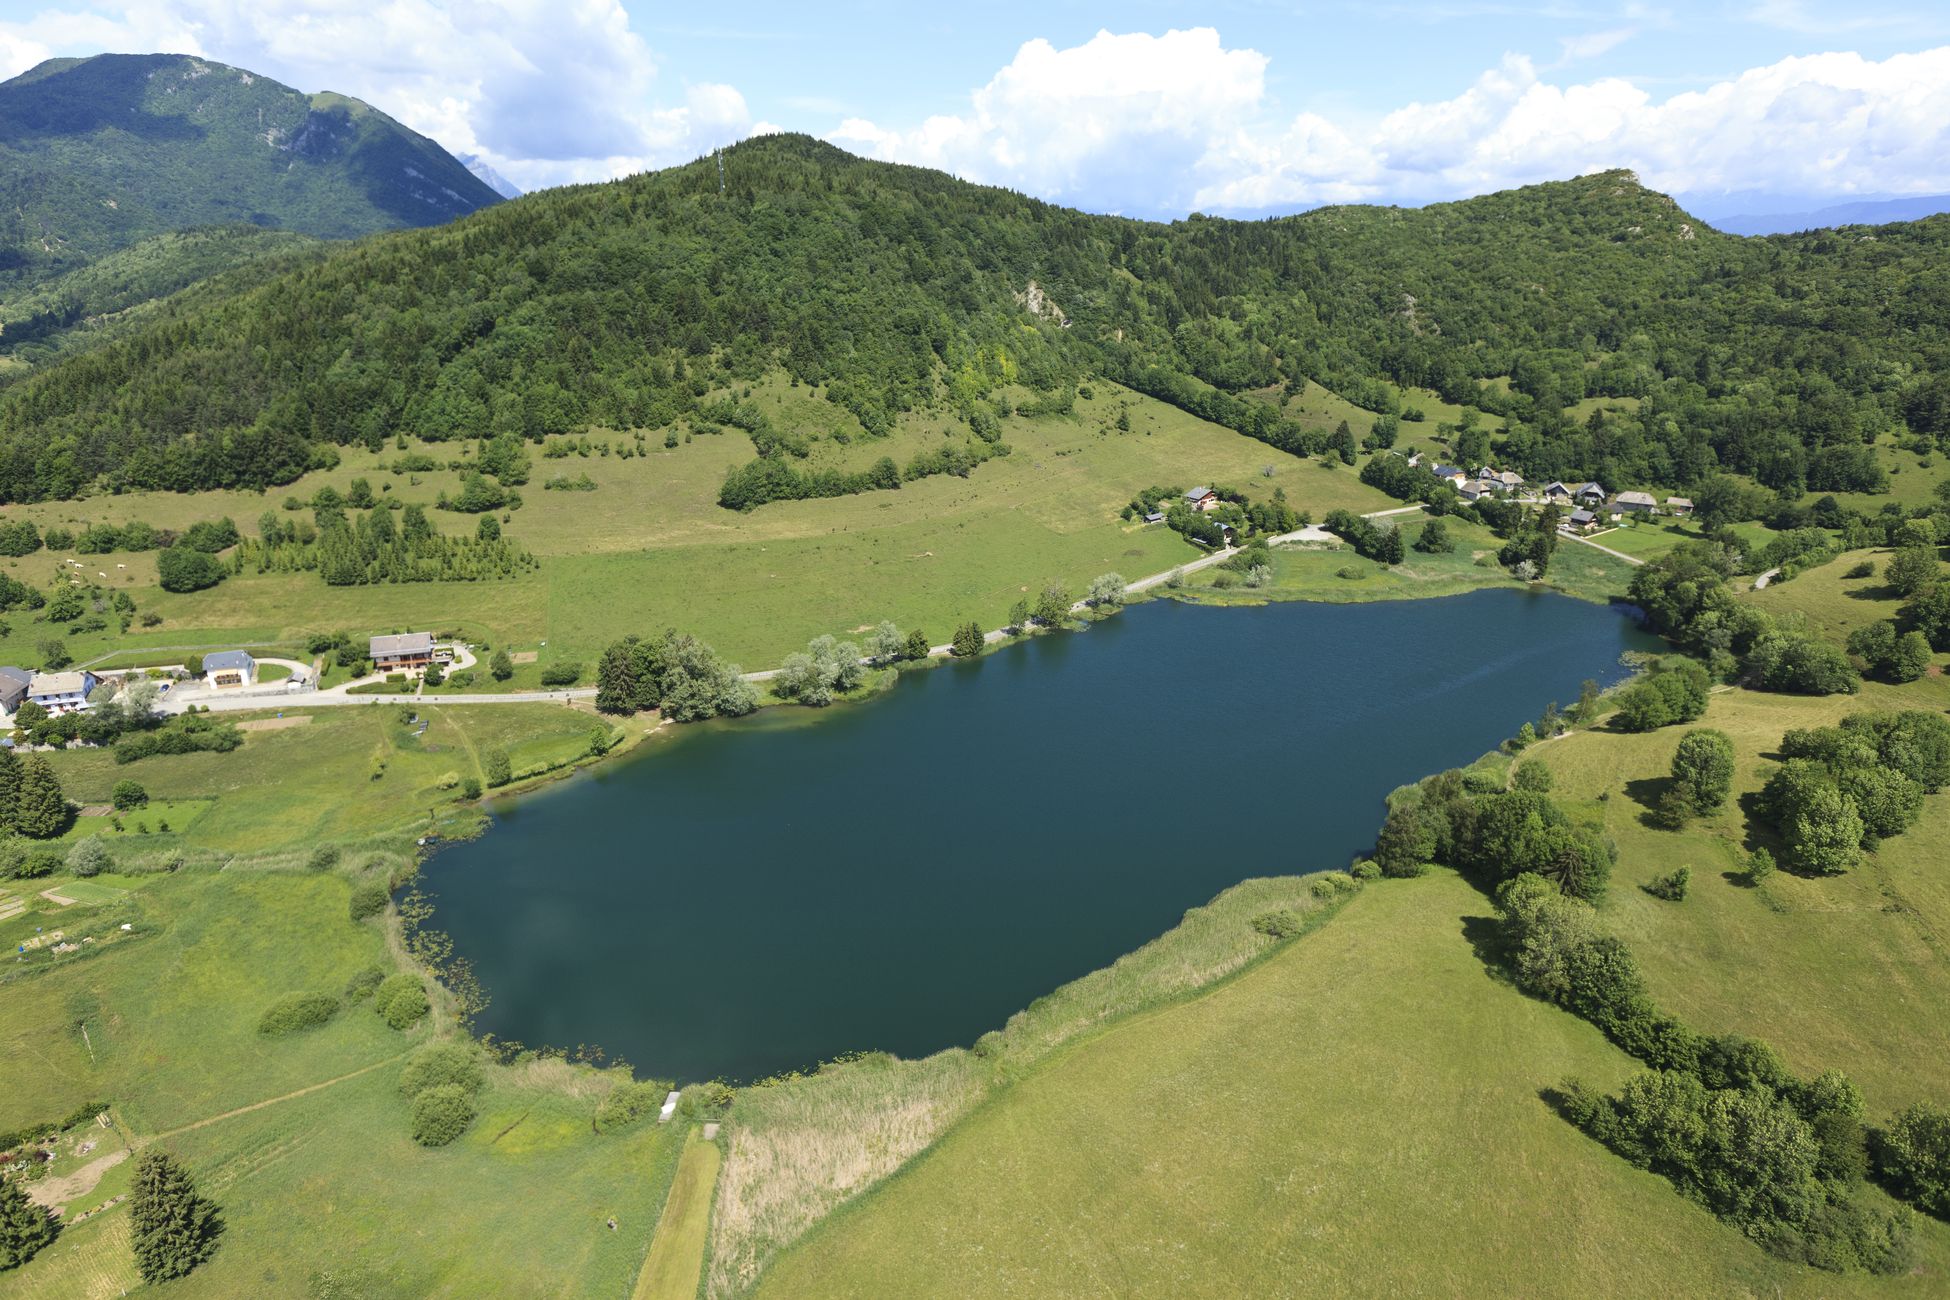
x,y
904,874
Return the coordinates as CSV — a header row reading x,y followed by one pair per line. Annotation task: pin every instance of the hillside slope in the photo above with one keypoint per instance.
x,y
894,288
98,153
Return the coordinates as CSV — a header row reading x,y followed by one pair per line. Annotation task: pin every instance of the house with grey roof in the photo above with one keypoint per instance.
x,y
13,688
1202,499
400,651
228,668
1637,503
62,692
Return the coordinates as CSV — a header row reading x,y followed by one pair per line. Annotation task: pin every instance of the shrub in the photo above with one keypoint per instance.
x,y
1672,886
323,858
400,1000
90,857
1913,1157
441,1114
1861,569
1282,923
363,984
455,1065
184,568
1533,775
496,767
297,1011
470,787
562,674
128,795
1760,865
369,898
629,1102
501,667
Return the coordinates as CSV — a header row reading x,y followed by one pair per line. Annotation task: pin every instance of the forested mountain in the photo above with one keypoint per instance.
x,y
892,288
81,306
98,153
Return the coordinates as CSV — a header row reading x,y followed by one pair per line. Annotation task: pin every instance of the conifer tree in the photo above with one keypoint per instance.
x,y
9,790
41,809
174,1227
24,1226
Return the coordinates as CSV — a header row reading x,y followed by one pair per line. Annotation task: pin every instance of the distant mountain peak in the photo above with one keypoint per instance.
x,y
493,179
99,153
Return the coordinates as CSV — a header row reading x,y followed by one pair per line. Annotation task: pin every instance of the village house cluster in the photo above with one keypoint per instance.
x,y
77,690
1590,506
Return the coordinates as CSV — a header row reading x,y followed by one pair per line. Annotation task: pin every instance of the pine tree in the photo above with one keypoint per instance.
x,y
616,679
174,1228
9,790
24,1226
41,809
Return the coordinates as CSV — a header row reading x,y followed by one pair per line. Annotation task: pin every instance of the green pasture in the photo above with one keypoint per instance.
x,y
1359,1115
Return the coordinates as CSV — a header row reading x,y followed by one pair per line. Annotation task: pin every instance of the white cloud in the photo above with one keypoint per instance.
x,y
546,90
1106,123
1165,124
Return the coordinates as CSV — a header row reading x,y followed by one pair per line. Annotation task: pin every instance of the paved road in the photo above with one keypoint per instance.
x,y
239,703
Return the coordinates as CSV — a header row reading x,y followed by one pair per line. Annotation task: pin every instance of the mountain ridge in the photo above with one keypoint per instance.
x,y
99,153
890,289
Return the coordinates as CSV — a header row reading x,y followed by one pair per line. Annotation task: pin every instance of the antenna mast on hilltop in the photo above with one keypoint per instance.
x,y
719,155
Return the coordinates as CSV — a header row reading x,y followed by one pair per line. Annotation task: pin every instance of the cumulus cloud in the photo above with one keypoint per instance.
x,y
545,90
1106,123
1169,123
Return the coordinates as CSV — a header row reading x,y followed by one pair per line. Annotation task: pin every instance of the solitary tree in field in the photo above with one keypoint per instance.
x,y
24,1226
495,766
41,810
9,791
968,640
1912,569
501,666
917,646
174,1228
1702,769
1019,614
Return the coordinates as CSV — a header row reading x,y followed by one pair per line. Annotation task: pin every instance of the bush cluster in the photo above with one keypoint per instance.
x,y
297,1011
401,1000
1494,833
1844,789
676,673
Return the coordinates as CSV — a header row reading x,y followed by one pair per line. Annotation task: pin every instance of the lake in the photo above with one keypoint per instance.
x,y
754,896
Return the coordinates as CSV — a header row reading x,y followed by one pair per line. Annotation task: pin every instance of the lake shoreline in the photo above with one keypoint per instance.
x,y
1038,688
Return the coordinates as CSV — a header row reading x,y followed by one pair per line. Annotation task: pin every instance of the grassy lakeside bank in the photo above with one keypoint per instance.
x,y
166,1030
1358,1115
799,1147
1034,1191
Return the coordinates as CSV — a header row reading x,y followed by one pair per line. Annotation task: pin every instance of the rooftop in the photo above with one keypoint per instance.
x,y
227,659
402,643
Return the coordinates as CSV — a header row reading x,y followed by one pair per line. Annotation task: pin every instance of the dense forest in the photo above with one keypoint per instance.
x,y
635,304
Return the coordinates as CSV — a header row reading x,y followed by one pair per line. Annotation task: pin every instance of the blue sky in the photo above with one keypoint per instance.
x,y
1147,107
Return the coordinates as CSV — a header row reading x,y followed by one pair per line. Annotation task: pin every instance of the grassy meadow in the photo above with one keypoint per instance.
x,y
303,1140
650,547
1358,1115
324,774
